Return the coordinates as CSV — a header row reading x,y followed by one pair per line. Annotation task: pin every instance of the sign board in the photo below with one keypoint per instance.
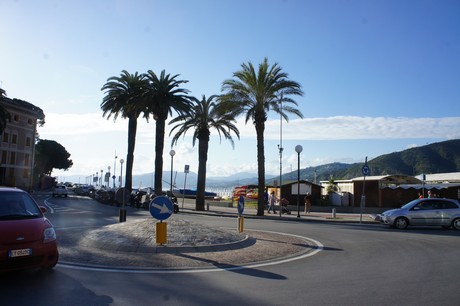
x,y
365,170
187,169
161,208
241,205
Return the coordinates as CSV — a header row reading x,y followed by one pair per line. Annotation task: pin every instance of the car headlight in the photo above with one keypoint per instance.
x,y
49,234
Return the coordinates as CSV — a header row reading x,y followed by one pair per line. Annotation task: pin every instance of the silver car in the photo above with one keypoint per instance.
x,y
424,212
60,191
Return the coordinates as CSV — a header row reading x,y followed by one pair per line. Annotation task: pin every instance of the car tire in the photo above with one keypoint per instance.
x,y
401,223
456,224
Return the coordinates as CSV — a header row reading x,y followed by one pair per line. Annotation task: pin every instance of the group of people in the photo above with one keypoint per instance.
x,y
271,199
430,195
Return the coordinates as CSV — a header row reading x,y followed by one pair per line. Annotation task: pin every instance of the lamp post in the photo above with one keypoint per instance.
x,y
172,153
121,171
122,214
102,180
114,170
108,177
280,148
298,149
97,178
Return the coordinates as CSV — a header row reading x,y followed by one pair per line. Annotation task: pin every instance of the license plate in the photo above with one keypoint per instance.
x,y
19,253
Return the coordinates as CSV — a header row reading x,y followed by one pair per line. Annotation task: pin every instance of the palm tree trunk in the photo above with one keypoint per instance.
x,y
203,145
132,129
159,147
260,127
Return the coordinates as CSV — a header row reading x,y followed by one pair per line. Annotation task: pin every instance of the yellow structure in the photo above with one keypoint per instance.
x,y
161,231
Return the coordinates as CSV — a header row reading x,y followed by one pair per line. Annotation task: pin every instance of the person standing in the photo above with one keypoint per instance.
x,y
307,200
271,202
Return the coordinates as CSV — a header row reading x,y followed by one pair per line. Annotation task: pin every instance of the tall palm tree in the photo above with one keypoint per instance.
x,y
124,97
256,93
204,116
4,114
164,96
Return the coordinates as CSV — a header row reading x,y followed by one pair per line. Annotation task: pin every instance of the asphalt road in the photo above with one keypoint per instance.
x,y
360,264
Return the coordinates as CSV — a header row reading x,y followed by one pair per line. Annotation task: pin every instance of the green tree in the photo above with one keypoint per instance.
x,y
50,155
164,95
256,93
202,117
124,97
4,114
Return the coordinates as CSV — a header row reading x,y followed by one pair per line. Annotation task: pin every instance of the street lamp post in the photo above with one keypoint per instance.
x,y
280,148
114,170
108,176
121,171
172,153
102,180
122,214
298,149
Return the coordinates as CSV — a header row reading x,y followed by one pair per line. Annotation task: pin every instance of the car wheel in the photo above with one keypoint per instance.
x,y
456,224
401,223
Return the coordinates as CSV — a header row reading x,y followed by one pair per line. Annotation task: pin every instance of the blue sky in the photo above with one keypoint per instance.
x,y
378,76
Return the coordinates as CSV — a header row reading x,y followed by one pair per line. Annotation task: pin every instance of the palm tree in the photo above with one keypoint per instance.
x,y
164,95
123,97
256,93
204,116
4,114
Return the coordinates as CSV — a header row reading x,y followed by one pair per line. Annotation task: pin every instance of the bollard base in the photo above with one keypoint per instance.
x,y
122,215
161,232
240,224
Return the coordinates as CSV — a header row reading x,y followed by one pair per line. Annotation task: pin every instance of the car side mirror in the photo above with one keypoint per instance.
x,y
43,209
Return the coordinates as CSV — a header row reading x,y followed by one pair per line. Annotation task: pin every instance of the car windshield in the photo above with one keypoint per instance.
x,y
18,205
409,205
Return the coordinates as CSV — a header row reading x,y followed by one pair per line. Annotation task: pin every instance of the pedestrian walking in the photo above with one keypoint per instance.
x,y
266,198
271,202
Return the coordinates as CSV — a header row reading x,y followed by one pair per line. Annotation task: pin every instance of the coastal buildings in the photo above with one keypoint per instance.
x,y
17,144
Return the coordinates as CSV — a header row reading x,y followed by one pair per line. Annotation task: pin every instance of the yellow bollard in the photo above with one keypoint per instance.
x,y
241,224
161,232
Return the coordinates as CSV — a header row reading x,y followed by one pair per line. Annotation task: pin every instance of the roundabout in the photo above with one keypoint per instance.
x,y
191,247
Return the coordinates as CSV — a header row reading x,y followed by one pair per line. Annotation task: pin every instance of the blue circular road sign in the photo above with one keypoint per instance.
x,y
241,205
365,170
161,208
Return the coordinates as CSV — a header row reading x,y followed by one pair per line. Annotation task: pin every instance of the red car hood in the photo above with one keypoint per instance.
x,y
26,230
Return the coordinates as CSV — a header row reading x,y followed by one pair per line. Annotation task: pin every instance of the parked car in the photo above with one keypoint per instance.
x,y
27,238
60,190
424,212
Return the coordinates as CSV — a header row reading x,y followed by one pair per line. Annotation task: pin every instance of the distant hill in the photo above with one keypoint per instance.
x,y
440,157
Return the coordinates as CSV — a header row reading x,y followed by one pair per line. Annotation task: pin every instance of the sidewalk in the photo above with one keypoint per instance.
x,y
220,208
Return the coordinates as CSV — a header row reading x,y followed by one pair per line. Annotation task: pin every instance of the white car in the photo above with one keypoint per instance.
x,y
60,191
424,212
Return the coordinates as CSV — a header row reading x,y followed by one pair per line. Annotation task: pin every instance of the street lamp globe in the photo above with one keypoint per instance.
x,y
298,149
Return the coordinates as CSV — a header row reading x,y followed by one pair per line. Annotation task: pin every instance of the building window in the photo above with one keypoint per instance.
x,y
13,158
4,157
25,173
28,141
6,136
16,117
14,139
30,121
26,159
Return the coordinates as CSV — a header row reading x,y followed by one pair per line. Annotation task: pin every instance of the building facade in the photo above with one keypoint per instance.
x,y
17,144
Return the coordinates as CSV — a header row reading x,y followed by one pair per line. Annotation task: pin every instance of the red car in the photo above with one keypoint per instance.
x,y
27,237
